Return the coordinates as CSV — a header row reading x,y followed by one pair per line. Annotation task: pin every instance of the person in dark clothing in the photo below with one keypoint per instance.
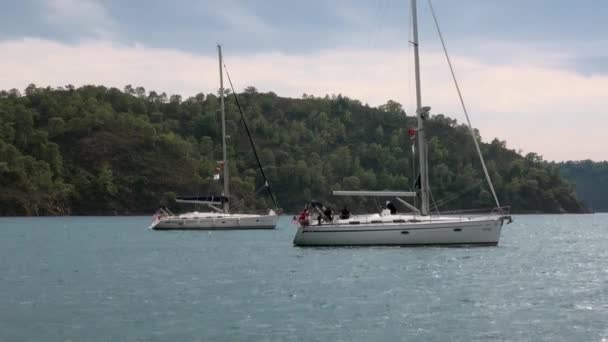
x,y
317,208
319,216
390,206
345,214
328,214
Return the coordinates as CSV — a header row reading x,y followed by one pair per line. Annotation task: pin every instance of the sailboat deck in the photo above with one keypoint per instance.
x,y
209,215
388,220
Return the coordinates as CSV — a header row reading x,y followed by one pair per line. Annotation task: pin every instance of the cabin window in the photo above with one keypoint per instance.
x,y
354,222
405,232
457,229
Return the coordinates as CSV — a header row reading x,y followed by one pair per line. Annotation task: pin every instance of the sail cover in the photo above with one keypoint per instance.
x,y
202,199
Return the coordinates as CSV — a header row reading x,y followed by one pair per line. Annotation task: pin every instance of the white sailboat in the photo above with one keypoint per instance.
x,y
218,218
420,227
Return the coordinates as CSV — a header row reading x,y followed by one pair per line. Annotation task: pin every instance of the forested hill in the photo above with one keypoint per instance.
x,y
98,150
591,182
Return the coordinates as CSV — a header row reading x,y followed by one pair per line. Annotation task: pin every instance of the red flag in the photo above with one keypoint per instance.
x,y
412,132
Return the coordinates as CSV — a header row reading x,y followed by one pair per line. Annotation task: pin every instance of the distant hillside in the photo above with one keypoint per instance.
x,y
590,180
98,150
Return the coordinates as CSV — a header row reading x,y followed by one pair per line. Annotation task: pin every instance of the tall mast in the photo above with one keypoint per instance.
x,y
225,165
421,114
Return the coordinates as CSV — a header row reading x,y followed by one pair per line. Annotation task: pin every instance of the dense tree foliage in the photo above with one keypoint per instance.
x,y
591,182
98,150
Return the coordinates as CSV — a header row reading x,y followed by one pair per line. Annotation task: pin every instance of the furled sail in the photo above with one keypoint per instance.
x,y
211,199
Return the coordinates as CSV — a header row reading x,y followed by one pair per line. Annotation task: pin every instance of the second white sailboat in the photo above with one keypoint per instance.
x,y
220,217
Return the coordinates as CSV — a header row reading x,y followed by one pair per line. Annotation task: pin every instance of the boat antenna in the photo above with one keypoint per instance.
x,y
238,105
464,108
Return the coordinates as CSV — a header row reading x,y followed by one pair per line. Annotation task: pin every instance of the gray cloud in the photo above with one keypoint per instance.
x,y
303,27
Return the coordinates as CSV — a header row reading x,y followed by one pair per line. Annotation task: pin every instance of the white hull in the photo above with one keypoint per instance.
x,y
442,231
215,221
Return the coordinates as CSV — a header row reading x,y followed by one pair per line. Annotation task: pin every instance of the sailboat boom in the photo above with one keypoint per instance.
x,y
374,193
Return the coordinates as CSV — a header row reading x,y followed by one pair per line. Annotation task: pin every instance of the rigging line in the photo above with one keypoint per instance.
x,y
433,200
259,190
454,195
464,108
457,195
255,152
378,207
240,203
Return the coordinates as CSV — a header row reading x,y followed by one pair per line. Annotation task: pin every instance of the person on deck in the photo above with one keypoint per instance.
x,y
390,206
329,216
320,214
345,214
303,219
316,209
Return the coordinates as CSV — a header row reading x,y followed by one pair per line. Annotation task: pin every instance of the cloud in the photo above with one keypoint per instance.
x,y
241,19
87,17
554,111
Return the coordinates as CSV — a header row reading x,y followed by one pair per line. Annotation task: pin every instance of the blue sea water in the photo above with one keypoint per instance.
x,y
111,279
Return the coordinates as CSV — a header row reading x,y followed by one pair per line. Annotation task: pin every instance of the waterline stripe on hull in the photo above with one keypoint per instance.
x,y
447,244
214,228
386,230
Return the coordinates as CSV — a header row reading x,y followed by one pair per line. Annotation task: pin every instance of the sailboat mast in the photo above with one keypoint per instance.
x,y
422,150
225,161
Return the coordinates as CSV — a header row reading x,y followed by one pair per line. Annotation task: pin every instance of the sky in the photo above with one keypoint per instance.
x,y
534,73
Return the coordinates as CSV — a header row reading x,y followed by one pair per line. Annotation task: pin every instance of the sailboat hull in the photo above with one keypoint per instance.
x,y
235,222
484,232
